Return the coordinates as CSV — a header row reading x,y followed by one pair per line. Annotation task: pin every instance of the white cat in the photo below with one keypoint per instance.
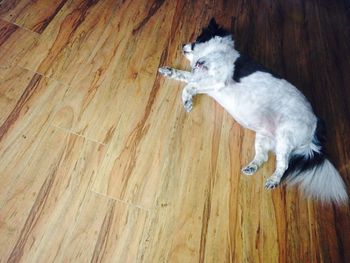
x,y
280,115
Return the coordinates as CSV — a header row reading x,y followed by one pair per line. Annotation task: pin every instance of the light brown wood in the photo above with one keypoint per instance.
x,y
14,42
100,163
34,15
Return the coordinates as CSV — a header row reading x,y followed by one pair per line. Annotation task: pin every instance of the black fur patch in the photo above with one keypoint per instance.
x,y
245,66
299,164
212,30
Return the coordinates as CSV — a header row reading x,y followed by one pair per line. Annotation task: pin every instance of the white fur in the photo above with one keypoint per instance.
x,y
278,112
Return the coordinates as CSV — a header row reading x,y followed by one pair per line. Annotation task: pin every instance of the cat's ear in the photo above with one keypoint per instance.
x,y
212,24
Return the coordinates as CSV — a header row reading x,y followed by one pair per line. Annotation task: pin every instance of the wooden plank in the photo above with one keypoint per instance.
x,y
138,130
13,83
33,15
14,42
25,119
106,231
109,80
47,197
69,39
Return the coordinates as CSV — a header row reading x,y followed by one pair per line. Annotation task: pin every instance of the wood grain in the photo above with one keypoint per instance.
x,y
54,192
100,163
69,39
13,83
33,15
31,100
111,231
109,79
14,42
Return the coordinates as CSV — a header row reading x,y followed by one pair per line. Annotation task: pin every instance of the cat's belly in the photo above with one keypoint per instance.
x,y
262,121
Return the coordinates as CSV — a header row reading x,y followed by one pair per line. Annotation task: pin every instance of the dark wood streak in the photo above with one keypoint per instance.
x,y
205,222
154,8
212,179
82,11
71,22
34,215
40,27
7,5
27,94
279,207
101,243
6,30
22,10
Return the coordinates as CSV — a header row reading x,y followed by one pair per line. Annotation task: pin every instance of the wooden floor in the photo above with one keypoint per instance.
x,y
100,163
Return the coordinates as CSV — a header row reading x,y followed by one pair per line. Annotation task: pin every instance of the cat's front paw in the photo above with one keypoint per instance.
x,y
188,105
166,71
187,95
250,169
272,182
